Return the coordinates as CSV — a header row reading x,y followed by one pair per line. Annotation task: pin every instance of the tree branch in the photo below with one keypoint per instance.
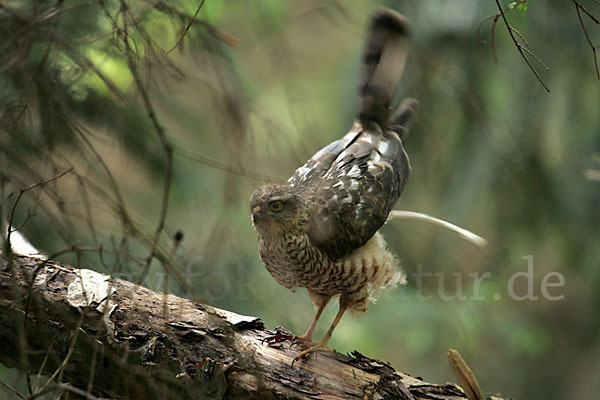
x,y
79,326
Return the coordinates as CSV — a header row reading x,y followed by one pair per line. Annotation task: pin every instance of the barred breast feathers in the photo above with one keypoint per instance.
x,y
379,267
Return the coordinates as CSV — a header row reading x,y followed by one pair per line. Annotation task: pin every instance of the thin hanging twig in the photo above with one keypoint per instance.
x,y
580,8
522,49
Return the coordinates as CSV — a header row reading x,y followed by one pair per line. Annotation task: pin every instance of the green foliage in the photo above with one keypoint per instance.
x,y
520,5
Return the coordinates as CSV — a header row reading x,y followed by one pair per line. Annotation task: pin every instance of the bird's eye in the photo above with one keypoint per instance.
x,y
276,205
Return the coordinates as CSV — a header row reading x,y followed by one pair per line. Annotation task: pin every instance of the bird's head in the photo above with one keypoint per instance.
x,y
278,209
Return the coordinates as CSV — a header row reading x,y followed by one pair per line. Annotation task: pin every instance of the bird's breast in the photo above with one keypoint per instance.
x,y
292,261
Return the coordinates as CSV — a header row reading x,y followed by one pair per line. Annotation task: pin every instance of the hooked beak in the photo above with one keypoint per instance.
x,y
255,214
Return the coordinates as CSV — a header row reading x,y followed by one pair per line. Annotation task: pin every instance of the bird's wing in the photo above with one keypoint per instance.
x,y
311,174
355,182
357,193
383,60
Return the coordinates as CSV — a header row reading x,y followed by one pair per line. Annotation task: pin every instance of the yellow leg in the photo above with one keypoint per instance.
x,y
307,337
322,344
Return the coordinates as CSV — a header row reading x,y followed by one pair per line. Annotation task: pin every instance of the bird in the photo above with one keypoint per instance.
x,y
319,230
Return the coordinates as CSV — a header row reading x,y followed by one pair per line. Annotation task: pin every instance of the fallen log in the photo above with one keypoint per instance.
x,y
99,336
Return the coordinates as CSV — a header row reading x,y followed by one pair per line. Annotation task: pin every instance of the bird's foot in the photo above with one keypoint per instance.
x,y
322,345
304,341
281,335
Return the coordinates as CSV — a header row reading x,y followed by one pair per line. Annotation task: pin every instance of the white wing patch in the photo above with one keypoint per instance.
x,y
383,146
368,139
354,172
303,171
376,166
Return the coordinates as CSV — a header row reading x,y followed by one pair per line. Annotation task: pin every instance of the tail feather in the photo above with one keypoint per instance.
x,y
383,62
400,121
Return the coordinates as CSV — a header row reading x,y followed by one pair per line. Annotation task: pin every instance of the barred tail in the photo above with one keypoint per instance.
x,y
401,119
383,61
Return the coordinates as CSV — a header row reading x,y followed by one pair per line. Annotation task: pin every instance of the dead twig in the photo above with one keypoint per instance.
x,y
59,371
223,167
522,49
187,27
159,130
579,8
64,387
225,37
493,29
10,230
11,390
465,376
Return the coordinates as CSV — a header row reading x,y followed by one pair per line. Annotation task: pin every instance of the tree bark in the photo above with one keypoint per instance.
x,y
101,336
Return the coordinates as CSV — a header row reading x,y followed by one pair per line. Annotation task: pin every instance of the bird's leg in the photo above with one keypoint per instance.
x,y
307,337
322,344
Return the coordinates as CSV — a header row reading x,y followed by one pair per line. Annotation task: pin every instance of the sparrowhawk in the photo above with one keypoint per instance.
x,y
319,229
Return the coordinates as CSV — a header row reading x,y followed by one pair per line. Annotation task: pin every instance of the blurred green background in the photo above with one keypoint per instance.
x,y
255,90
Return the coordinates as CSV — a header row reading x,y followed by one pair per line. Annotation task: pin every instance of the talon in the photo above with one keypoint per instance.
x,y
301,341
322,345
